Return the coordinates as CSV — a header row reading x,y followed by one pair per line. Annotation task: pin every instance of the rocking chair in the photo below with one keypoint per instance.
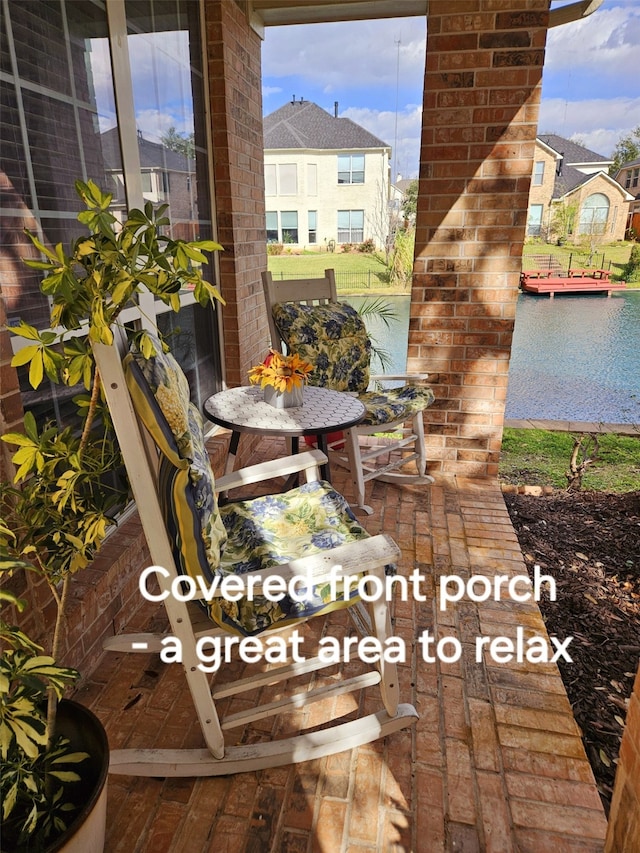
x,y
307,537
305,316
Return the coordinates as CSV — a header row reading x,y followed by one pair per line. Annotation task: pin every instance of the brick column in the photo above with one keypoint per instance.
x,y
481,99
234,67
623,833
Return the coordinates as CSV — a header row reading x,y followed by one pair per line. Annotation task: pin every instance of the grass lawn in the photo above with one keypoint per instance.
x,y
315,263
356,272
540,458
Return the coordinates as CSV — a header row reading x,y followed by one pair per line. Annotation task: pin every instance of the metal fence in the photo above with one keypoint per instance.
x,y
576,260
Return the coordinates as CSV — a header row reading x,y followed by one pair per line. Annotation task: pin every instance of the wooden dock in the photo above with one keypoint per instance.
x,y
576,281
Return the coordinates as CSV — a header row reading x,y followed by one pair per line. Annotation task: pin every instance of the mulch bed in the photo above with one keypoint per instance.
x,y
590,542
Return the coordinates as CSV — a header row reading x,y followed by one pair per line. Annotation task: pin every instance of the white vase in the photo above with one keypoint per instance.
x,y
284,399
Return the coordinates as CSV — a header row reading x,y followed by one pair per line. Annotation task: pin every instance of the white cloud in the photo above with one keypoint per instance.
x,y
271,90
350,53
382,123
599,122
607,41
155,123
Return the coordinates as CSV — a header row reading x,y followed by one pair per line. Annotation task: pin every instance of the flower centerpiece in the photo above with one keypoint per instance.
x,y
282,378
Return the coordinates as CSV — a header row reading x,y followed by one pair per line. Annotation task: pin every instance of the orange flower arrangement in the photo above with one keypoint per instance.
x,y
283,372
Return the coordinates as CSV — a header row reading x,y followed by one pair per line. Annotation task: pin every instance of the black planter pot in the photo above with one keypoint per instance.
x,y
86,734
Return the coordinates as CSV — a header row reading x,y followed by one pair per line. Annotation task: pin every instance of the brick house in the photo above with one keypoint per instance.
x,y
167,176
326,178
481,98
572,195
629,177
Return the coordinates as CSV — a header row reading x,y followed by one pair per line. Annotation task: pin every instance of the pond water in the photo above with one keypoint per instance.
x,y
573,358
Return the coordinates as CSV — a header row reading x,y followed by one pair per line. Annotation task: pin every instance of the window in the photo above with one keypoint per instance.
x,y
313,226
270,187
594,214
272,226
538,173
288,177
635,177
63,121
351,168
534,220
350,226
289,225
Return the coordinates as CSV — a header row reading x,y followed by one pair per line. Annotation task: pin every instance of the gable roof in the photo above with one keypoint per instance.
x,y
635,162
567,182
304,124
572,152
569,156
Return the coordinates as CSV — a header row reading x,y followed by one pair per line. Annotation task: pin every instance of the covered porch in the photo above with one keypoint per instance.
x,y
495,761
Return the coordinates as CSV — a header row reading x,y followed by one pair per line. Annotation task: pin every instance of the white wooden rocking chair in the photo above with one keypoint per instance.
x,y
305,317
162,471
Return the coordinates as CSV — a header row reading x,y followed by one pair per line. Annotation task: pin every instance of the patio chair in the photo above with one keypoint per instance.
x,y
300,536
305,317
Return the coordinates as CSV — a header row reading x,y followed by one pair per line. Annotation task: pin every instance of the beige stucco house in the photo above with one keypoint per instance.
x,y
326,178
572,195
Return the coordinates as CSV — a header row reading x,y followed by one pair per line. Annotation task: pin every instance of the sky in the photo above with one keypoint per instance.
x,y
374,70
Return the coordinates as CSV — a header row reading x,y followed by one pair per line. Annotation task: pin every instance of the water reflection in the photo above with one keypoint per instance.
x,y
573,357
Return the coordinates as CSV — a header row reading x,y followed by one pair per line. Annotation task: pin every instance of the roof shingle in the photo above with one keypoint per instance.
x,y
304,124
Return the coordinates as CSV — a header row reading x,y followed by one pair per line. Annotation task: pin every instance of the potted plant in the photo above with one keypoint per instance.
x,y
56,513
282,378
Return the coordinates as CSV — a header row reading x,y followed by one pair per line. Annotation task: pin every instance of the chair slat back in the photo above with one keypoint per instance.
x,y
308,291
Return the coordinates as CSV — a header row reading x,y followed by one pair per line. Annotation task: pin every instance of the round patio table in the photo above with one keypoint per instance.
x,y
244,410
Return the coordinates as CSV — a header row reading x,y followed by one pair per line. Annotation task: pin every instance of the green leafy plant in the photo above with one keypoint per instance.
x,y
56,513
34,771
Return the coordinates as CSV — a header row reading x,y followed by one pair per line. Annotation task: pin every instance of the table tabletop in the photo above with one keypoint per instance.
x,y
244,410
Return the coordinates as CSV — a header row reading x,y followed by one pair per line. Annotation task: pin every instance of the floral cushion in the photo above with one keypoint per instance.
x,y
332,337
240,537
160,393
395,404
272,530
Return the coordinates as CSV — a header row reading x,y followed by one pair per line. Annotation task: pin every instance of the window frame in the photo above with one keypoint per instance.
x,y
129,182
355,232
534,223
350,175
538,173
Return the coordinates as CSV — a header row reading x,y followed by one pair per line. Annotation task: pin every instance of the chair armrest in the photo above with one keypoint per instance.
x,y
268,470
360,557
407,377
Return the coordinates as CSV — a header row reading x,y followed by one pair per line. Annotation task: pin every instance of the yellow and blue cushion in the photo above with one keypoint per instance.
x,y
333,338
245,536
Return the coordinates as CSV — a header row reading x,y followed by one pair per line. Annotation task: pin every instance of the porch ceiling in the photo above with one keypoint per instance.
x,y
271,13
279,12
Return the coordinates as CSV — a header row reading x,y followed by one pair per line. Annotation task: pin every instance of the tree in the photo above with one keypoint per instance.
x,y
627,149
564,218
409,205
179,142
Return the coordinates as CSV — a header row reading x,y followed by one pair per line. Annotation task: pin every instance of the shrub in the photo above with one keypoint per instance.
x,y
631,270
274,248
367,246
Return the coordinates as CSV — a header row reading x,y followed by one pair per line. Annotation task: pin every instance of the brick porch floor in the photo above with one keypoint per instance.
x,y
495,762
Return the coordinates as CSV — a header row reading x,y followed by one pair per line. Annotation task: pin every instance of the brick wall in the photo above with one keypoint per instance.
x,y
234,64
481,99
623,834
